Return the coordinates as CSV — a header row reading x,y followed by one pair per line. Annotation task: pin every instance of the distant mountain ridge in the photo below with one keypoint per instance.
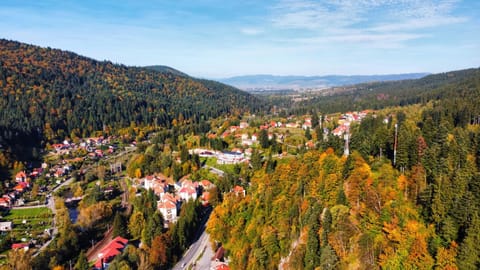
x,y
272,82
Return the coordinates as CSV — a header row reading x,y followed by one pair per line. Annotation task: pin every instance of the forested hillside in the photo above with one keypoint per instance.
x,y
461,84
52,94
419,209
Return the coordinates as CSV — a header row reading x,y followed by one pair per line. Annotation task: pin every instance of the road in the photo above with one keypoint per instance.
x,y
192,254
215,170
51,205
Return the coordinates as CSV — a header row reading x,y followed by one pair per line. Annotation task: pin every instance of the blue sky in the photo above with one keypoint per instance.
x,y
214,39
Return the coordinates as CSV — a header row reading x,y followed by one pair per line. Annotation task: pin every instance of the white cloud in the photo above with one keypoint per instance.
x,y
357,21
251,31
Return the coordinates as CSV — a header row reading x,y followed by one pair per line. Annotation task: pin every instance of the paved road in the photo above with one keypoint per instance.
x,y
215,170
202,243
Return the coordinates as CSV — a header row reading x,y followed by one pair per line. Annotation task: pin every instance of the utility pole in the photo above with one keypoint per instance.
x,y
395,145
346,150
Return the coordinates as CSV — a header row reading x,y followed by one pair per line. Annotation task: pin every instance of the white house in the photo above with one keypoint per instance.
x,y
5,226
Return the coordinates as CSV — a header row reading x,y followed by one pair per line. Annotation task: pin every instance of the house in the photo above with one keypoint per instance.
x,y
307,123
21,187
233,129
230,158
221,266
188,192
168,208
5,226
291,125
21,176
340,130
24,246
158,183
5,202
225,134
255,137
108,253
310,144
205,184
205,198
243,125
238,190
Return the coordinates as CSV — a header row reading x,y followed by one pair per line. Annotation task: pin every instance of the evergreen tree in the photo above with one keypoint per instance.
x,y
328,258
263,139
469,253
119,226
308,135
82,263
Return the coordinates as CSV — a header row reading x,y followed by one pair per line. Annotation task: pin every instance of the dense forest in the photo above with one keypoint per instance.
x,y
418,209
51,94
456,84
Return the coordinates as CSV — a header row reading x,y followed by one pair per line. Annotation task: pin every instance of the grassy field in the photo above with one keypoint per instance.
x,y
29,213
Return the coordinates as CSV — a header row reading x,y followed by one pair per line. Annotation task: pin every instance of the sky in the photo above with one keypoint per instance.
x,y
223,38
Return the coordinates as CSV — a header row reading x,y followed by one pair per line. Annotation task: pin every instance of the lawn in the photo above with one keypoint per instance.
x,y
28,213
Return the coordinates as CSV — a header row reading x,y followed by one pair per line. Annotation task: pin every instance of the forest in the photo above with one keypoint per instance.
x,y
459,84
418,208
48,95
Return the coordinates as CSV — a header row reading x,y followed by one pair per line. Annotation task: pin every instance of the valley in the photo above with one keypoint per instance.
x,y
109,166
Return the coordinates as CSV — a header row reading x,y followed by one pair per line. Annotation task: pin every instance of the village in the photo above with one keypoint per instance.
x,y
35,187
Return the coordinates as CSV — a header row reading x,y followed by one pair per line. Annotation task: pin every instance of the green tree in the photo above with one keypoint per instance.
x,y
82,263
119,226
308,135
263,139
469,253
136,224
328,258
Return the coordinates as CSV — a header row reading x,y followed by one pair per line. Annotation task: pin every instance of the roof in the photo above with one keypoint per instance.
x,y
21,174
205,183
111,250
238,189
19,245
222,267
166,205
121,240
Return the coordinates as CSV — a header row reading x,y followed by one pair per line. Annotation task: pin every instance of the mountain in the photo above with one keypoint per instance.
x,y
167,69
460,84
271,82
49,94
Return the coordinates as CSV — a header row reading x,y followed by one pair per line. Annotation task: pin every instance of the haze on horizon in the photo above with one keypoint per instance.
x,y
215,39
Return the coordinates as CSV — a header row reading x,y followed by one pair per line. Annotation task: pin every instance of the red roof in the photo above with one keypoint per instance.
x,y
222,267
167,205
206,183
19,245
238,189
21,175
121,240
111,250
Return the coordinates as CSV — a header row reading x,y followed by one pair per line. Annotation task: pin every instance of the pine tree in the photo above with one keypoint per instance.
x,y
82,262
119,226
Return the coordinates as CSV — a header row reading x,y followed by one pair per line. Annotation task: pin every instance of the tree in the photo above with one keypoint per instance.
x,y
312,254
328,258
308,135
263,139
19,259
256,160
82,263
119,226
469,252
136,224
153,228
159,252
